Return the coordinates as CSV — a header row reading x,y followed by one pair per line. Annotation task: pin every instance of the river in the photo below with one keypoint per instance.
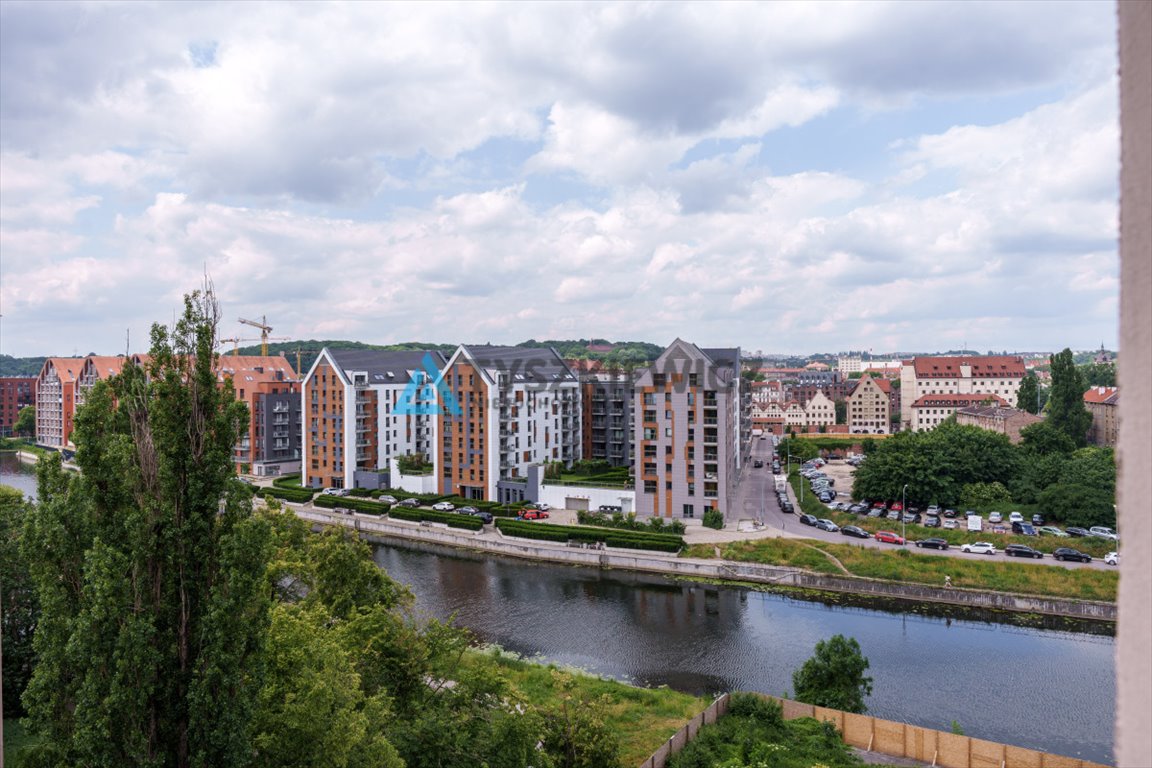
x,y
1045,689
17,474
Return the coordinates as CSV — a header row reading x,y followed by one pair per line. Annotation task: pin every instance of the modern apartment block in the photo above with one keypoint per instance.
x,y
16,392
96,368
869,407
998,375
362,408
690,428
511,410
56,400
606,403
929,410
271,389
1103,403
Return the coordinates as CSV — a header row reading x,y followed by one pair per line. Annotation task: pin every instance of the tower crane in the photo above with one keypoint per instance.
x,y
235,343
265,329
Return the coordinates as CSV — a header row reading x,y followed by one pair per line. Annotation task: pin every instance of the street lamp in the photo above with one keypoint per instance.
x,y
904,514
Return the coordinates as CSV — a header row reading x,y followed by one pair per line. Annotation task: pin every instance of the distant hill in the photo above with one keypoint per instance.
x,y
21,366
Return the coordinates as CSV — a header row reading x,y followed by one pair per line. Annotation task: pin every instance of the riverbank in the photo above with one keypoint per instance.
x,y
723,571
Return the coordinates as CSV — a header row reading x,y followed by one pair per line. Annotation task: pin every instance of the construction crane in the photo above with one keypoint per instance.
x,y
265,329
235,343
300,351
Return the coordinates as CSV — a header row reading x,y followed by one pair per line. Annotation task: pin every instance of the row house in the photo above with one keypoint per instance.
x,y
361,409
56,400
930,410
1103,403
764,392
869,407
690,427
995,375
606,398
1006,421
502,412
16,393
270,388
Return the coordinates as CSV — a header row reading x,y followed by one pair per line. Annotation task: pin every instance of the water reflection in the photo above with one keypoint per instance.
x,y
929,669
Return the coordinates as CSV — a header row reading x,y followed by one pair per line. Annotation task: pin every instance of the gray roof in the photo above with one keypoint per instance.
x,y
385,366
533,364
728,356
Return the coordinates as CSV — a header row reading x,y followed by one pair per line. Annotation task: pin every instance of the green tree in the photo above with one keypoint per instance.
x,y
713,518
834,676
1043,438
841,411
150,570
1028,397
18,606
576,732
1080,505
1065,408
799,449
25,423
1099,374
984,495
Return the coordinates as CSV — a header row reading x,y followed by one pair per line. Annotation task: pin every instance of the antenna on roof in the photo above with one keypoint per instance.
x,y
127,342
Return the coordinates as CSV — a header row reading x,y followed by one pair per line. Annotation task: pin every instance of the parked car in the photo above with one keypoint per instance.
x,y
932,510
911,517
787,508
1024,529
467,510
410,503
335,492
1067,553
897,506
757,464
995,517
388,499
1112,558
979,548
827,525
1015,517
857,509
1074,531
876,513
1022,550
533,514
949,513
1101,532
888,537
1037,520
949,525
826,496
1051,530
808,519
853,530
932,521
443,506
543,505
933,543
485,516
893,515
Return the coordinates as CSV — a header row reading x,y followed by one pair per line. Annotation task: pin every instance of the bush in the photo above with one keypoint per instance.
x,y
453,520
630,523
298,495
613,538
714,518
287,481
349,502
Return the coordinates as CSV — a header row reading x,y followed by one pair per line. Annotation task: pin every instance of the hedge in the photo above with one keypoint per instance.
x,y
656,542
287,481
298,495
399,495
348,502
467,522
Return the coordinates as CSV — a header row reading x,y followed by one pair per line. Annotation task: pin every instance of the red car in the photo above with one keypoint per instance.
x,y
896,507
533,514
888,537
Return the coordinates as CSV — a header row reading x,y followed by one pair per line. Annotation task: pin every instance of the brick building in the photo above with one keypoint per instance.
x,y
1103,403
1006,421
16,392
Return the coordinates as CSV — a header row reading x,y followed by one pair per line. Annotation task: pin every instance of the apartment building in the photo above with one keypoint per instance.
x,y
606,407
869,407
1103,403
929,410
361,409
510,410
270,388
997,375
56,400
16,393
96,368
1006,421
820,411
689,431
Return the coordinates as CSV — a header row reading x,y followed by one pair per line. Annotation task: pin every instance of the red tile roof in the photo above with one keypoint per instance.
x,y
106,366
67,368
998,366
1102,395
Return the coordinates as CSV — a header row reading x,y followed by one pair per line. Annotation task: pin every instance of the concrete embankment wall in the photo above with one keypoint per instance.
x,y
932,747
711,569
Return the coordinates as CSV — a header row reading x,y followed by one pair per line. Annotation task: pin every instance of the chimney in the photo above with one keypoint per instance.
x,y
1102,390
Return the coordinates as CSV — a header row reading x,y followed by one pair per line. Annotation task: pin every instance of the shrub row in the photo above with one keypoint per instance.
x,y
298,495
467,522
655,542
349,502
400,495
287,481
630,523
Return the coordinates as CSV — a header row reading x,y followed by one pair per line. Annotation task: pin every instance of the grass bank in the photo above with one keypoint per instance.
x,y
908,566
643,718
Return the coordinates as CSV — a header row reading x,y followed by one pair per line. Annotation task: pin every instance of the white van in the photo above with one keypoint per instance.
x,y
975,523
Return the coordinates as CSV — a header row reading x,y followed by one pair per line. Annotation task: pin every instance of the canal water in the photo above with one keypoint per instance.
x,y
1047,689
15,473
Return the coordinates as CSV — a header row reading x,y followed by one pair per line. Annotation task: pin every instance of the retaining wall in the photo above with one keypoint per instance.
x,y
713,569
931,747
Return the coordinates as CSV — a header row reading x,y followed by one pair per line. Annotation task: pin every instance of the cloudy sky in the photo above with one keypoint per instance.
x,y
786,177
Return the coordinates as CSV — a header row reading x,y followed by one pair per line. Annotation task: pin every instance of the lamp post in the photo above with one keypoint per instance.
x,y
903,514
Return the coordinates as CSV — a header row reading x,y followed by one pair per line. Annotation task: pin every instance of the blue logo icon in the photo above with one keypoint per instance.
x,y
427,394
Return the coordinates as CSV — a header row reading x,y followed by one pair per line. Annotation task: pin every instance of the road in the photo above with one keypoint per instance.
x,y
756,500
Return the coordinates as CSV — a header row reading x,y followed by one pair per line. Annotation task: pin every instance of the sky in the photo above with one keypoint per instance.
x,y
787,177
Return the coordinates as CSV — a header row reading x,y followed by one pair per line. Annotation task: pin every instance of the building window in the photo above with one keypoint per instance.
x,y
689,511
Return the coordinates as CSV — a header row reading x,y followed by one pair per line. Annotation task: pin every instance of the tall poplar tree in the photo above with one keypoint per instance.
x,y
1066,409
150,569
1028,397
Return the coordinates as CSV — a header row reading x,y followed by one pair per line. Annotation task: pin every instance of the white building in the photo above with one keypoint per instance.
x,y
998,375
